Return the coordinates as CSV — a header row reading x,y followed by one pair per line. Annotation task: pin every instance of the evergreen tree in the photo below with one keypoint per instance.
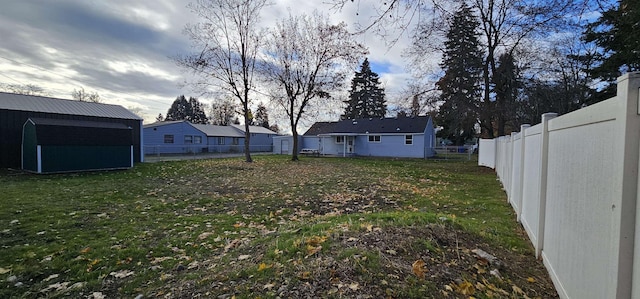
x,y
261,117
179,109
506,89
366,97
462,64
190,110
197,115
617,34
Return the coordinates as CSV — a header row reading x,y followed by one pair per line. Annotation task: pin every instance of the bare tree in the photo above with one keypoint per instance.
x,y
303,65
25,89
83,96
229,41
223,112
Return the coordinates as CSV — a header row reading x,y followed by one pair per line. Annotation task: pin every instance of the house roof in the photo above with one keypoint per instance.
x,y
11,101
163,123
321,127
399,125
218,131
255,129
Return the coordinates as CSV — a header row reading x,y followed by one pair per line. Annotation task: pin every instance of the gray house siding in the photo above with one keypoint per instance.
x,y
260,142
174,143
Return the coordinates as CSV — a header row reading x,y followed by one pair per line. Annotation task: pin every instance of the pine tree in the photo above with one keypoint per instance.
x,y
179,109
261,117
506,88
366,97
190,110
197,114
617,34
462,64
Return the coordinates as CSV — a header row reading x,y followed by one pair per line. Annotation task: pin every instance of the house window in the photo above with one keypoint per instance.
x,y
235,140
168,138
408,139
339,139
197,139
374,138
220,140
188,139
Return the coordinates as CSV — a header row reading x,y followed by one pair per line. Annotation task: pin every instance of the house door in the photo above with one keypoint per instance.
x,y
284,148
350,145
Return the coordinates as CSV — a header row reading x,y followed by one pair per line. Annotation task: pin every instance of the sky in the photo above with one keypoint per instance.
x,y
123,49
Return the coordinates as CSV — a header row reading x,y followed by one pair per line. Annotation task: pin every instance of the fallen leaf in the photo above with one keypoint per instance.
x,y
531,279
269,286
98,295
4,271
419,268
465,288
122,273
354,286
244,257
517,290
85,250
311,250
264,266
204,235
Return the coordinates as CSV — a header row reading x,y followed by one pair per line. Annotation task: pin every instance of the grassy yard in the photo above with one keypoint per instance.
x,y
223,228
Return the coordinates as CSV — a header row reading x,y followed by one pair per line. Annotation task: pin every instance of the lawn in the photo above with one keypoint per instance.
x,y
223,228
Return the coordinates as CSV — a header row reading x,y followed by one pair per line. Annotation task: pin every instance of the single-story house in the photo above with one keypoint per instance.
x,y
408,137
261,138
16,109
183,137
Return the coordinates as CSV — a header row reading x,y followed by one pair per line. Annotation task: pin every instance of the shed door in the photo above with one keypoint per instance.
x,y
284,149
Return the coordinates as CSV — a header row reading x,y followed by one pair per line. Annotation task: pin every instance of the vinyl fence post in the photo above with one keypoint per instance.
x,y
628,274
544,160
521,175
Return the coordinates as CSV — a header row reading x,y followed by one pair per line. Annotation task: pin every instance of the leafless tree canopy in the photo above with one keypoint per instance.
x,y
83,96
306,59
25,89
227,41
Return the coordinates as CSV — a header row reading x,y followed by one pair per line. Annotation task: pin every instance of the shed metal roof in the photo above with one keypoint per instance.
x,y
76,123
11,101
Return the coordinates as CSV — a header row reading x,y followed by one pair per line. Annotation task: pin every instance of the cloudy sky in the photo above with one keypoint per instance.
x,y
122,49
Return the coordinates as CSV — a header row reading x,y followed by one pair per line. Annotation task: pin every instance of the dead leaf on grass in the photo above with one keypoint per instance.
x,y
465,288
122,273
311,250
419,268
264,266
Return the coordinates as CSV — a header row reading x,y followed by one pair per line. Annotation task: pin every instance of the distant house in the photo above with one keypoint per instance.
x,y
183,137
410,137
261,138
75,119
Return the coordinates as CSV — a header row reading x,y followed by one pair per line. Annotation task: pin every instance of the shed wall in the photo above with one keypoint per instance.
x,y
12,121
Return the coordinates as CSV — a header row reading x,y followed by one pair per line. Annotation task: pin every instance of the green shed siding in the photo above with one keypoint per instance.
x,y
62,158
55,145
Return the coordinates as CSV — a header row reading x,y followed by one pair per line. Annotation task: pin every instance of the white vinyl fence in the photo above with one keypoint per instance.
x,y
573,182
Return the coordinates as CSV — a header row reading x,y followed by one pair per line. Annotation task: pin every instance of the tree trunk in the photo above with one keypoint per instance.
x,y
247,135
294,152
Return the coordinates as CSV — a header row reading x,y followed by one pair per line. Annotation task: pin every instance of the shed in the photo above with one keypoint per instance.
x,y
62,145
16,109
